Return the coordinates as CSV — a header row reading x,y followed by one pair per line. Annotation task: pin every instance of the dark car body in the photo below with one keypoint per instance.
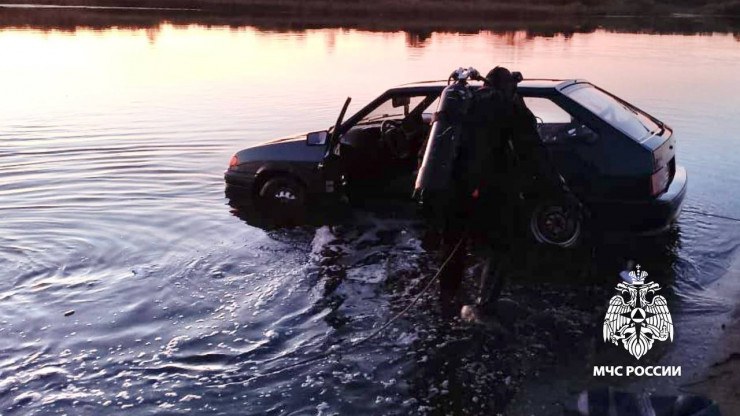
x,y
617,159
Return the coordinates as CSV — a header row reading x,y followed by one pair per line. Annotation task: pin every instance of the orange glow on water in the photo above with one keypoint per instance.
x,y
89,71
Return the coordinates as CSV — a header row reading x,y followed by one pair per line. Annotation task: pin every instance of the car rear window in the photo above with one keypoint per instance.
x,y
621,115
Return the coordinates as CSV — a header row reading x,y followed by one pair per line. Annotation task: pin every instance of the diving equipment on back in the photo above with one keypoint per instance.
x,y
445,137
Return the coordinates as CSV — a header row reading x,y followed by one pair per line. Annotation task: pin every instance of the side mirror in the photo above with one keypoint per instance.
x,y
317,138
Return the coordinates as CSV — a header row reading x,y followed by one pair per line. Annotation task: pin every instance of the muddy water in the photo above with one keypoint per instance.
x,y
129,287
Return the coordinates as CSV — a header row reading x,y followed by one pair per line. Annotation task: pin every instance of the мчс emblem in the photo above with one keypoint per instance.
x,y
638,322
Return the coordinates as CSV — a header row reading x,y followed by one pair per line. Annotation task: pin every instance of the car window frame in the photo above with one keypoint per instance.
x,y
601,128
576,86
372,105
368,109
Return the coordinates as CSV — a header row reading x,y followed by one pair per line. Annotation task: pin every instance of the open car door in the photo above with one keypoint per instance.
x,y
330,166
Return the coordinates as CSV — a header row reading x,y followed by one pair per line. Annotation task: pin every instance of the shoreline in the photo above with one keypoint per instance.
x,y
395,9
74,18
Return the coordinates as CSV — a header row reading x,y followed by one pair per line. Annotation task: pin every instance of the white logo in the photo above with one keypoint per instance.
x,y
637,323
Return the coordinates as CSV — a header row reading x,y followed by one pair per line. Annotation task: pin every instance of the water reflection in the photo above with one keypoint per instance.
x,y
114,143
263,217
417,39
418,31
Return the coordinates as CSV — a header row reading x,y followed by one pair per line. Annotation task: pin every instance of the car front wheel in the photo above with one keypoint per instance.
x,y
556,224
283,193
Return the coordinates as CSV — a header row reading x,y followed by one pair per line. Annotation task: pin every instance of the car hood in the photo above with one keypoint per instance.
x,y
291,138
286,149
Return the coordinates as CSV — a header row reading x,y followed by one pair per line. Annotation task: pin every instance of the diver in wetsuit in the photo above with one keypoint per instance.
x,y
500,158
510,159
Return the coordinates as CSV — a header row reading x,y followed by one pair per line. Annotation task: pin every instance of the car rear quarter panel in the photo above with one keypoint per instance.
x,y
614,165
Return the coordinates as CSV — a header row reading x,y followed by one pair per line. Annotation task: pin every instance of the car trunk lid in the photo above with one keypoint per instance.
x,y
647,131
663,148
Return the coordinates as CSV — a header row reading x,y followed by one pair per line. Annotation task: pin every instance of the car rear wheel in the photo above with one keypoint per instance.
x,y
556,224
283,193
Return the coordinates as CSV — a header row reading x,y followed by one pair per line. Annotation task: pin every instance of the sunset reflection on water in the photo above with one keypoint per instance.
x,y
60,71
113,143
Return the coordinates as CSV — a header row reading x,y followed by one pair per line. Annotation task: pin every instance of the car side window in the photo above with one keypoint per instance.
x,y
387,110
433,106
555,124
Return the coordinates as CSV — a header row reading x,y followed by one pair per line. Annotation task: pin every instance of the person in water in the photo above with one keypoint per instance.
x,y
501,157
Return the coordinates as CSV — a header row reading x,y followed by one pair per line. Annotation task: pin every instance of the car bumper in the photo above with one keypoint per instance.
x,y
645,217
239,185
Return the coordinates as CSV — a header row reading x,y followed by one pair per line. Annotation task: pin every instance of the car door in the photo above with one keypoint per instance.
x,y
379,152
571,142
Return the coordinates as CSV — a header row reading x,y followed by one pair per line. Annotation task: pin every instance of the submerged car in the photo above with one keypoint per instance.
x,y
617,159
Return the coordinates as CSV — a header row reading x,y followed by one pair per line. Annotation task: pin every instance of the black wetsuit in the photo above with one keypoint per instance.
x,y
501,158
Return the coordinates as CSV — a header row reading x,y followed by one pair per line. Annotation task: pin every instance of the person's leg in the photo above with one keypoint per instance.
x,y
492,279
500,278
507,240
451,276
485,281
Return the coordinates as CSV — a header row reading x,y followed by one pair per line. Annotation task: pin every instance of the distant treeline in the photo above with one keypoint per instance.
x,y
417,30
429,8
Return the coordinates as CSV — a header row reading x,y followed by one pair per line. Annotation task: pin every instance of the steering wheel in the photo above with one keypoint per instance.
x,y
540,122
394,138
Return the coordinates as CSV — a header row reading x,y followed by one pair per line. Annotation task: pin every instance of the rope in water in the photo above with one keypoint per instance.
x,y
416,298
375,333
724,217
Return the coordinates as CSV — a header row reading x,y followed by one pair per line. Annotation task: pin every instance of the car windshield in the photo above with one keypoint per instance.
x,y
621,115
386,110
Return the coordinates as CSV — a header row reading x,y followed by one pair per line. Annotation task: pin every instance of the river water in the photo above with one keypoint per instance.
x,y
130,287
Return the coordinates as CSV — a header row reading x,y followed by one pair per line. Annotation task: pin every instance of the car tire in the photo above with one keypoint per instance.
x,y
283,193
555,224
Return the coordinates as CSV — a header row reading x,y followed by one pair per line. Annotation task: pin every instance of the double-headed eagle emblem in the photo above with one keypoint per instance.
x,y
638,322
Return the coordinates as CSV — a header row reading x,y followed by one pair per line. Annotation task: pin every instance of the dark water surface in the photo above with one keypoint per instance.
x,y
112,148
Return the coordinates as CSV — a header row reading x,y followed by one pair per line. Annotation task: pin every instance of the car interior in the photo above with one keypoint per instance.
x,y
381,154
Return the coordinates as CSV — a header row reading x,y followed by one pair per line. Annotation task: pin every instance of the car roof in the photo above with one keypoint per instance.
x,y
527,85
